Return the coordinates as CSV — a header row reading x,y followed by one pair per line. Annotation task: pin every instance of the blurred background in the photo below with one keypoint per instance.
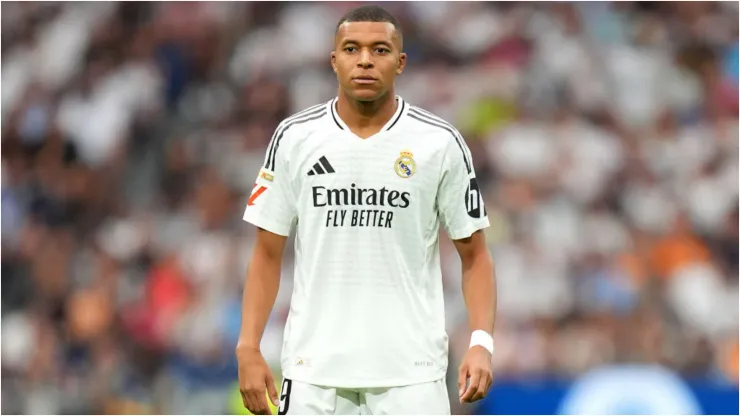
x,y
605,137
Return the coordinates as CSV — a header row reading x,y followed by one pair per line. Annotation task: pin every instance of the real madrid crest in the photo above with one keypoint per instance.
x,y
405,166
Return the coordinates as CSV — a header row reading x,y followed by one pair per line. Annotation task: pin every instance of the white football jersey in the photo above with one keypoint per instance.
x,y
367,308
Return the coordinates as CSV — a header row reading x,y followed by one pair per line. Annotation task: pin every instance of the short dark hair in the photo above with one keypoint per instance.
x,y
369,14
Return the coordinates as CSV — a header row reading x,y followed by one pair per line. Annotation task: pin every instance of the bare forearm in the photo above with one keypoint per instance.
x,y
260,290
479,291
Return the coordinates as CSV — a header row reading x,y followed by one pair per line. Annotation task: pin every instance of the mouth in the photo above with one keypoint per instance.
x,y
365,80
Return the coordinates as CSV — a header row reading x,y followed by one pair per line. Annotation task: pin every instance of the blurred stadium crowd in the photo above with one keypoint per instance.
x,y
605,136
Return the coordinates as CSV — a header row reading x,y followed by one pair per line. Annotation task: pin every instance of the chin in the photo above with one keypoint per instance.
x,y
366,95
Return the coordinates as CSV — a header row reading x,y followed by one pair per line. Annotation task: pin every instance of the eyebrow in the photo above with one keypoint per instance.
x,y
380,42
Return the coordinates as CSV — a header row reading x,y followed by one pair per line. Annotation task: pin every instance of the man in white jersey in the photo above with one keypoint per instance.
x,y
365,181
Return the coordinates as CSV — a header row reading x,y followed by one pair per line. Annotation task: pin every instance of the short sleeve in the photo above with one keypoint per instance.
x,y
459,199
271,205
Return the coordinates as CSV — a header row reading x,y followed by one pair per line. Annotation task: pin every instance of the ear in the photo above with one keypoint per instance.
x,y
334,61
401,63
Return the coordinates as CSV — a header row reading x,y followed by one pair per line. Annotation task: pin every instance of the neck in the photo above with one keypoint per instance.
x,y
361,114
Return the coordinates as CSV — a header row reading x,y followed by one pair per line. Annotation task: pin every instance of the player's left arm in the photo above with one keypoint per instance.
x,y
479,291
464,216
478,281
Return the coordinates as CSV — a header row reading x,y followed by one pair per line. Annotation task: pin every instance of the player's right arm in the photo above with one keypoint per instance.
x,y
271,208
260,290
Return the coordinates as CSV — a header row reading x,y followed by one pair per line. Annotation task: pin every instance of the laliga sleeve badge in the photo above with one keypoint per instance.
x,y
405,166
266,176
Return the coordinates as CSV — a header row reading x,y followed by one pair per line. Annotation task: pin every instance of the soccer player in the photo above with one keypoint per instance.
x,y
365,181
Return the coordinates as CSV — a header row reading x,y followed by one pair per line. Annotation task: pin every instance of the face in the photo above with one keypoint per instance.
x,y
367,57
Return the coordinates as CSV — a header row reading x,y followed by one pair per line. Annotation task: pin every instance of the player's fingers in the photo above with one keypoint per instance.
x,y
485,381
271,389
259,403
490,381
251,404
462,377
248,402
487,387
245,400
472,387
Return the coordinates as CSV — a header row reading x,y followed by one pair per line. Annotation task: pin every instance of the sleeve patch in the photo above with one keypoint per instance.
x,y
474,200
257,190
266,176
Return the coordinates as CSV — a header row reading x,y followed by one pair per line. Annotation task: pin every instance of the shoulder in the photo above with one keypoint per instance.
x,y
420,118
297,126
440,132
304,120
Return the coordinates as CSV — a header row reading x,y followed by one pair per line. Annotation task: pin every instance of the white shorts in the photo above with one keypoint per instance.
x,y
297,398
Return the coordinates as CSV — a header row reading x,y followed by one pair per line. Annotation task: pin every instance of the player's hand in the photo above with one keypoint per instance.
x,y
476,367
254,378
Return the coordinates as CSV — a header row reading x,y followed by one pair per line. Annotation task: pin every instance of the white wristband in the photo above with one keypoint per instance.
x,y
482,338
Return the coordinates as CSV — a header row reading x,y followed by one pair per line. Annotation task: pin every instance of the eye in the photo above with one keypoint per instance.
x,y
382,51
350,49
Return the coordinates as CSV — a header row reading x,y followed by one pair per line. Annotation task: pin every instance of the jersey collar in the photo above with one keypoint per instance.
x,y
389,125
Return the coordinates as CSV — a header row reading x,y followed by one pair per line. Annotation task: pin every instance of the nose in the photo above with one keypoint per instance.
x,y
365,60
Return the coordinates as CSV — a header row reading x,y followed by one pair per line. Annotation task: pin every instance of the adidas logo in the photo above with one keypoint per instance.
x,y
321,167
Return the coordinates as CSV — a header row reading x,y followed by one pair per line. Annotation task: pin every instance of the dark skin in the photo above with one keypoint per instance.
x,y
371,50
260,290
479,291
367,57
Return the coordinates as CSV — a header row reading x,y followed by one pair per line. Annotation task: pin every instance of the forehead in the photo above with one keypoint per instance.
x,y
366,32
